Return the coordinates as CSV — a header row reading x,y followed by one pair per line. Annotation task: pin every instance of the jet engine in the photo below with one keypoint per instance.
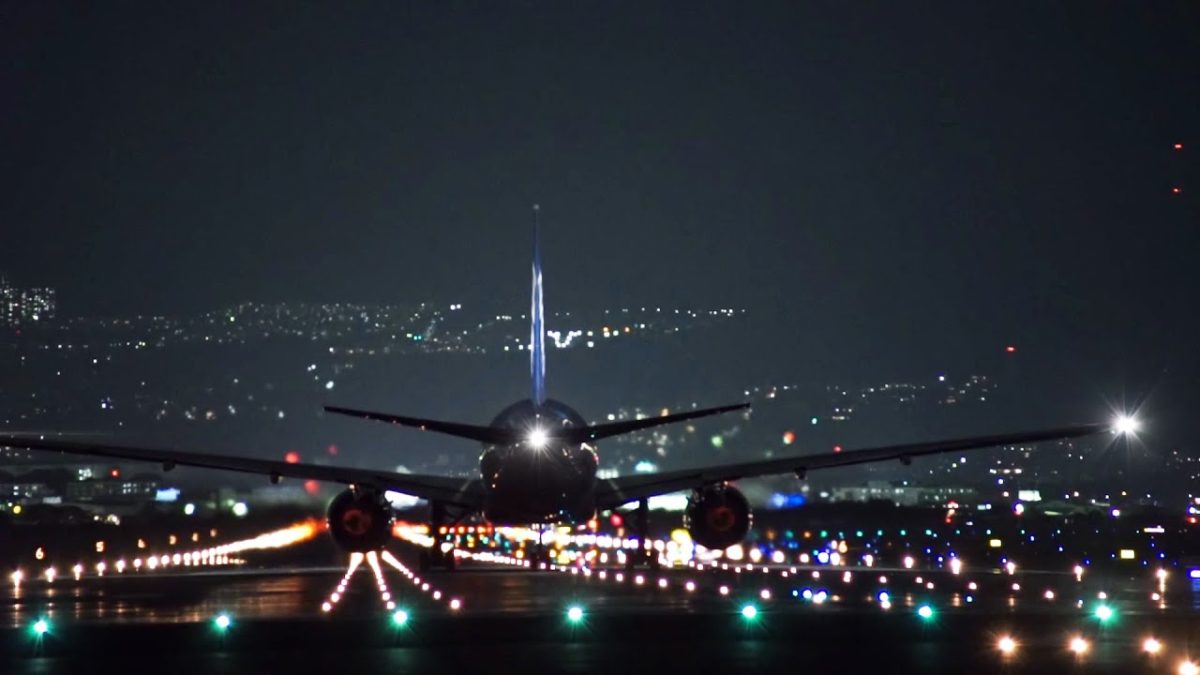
x,y
360,520
717,516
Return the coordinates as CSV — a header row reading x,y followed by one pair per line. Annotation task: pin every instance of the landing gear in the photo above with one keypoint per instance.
x,y
435,557
644,555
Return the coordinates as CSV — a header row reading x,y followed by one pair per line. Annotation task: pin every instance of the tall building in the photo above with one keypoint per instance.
x,y
25,305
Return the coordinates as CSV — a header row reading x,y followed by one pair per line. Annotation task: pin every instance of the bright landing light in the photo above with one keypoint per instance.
x,y
1126,424
537,438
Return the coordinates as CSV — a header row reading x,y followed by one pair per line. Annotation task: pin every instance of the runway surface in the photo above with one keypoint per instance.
x,y
500,618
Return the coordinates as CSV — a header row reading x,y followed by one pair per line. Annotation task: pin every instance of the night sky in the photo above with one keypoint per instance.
x,y
882,186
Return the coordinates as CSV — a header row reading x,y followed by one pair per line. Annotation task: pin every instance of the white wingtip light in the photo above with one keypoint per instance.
x,y
1126,425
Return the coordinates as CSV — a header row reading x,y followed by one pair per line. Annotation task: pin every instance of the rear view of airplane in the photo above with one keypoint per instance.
x,y
538,466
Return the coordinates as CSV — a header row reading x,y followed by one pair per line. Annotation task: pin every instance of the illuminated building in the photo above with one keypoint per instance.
x,y
25,305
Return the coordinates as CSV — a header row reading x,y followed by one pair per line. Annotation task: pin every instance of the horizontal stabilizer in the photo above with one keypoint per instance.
x,y
596,432
505,436
471,431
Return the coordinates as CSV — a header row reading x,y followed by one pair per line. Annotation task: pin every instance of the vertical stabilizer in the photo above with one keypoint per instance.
x,y
537,346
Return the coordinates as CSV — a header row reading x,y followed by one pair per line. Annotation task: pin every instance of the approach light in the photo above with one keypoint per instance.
x,y
222,622
41,627
575,614
400,618
537,438
1126,425
925,612
749,612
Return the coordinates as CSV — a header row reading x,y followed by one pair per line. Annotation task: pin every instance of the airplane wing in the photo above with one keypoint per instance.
x,y
457,491
623,489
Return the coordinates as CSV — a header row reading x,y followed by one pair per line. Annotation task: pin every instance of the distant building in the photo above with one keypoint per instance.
x,y
25,305
902,495
139,488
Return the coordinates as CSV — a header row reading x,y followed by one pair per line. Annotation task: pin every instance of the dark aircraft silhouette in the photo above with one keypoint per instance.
x,y
538,467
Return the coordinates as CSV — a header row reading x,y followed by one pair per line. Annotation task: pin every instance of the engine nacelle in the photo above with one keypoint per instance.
x,y
717,516
360,520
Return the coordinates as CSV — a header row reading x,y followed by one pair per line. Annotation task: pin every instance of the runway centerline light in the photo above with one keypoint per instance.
x,y
749,612
575,614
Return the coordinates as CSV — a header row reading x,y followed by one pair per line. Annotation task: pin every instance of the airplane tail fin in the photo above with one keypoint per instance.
x,y
537,344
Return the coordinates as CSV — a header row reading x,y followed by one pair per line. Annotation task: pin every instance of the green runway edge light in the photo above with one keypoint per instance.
x,y
400,618
222,622
749,612
925,612
40,627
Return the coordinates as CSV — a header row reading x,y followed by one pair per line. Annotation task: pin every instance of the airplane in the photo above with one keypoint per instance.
x,y
538,467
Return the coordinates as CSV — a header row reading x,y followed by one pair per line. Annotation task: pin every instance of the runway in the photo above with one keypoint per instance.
x,y
845,619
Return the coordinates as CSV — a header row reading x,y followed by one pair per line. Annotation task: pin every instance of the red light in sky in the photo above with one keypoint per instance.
x,y
789,437
1176,190
1179,146
837,448
1011,349
312,487
115,473
332,449
616,520
291,457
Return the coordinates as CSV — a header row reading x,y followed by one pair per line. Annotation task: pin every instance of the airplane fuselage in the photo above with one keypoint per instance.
x,y
541,479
